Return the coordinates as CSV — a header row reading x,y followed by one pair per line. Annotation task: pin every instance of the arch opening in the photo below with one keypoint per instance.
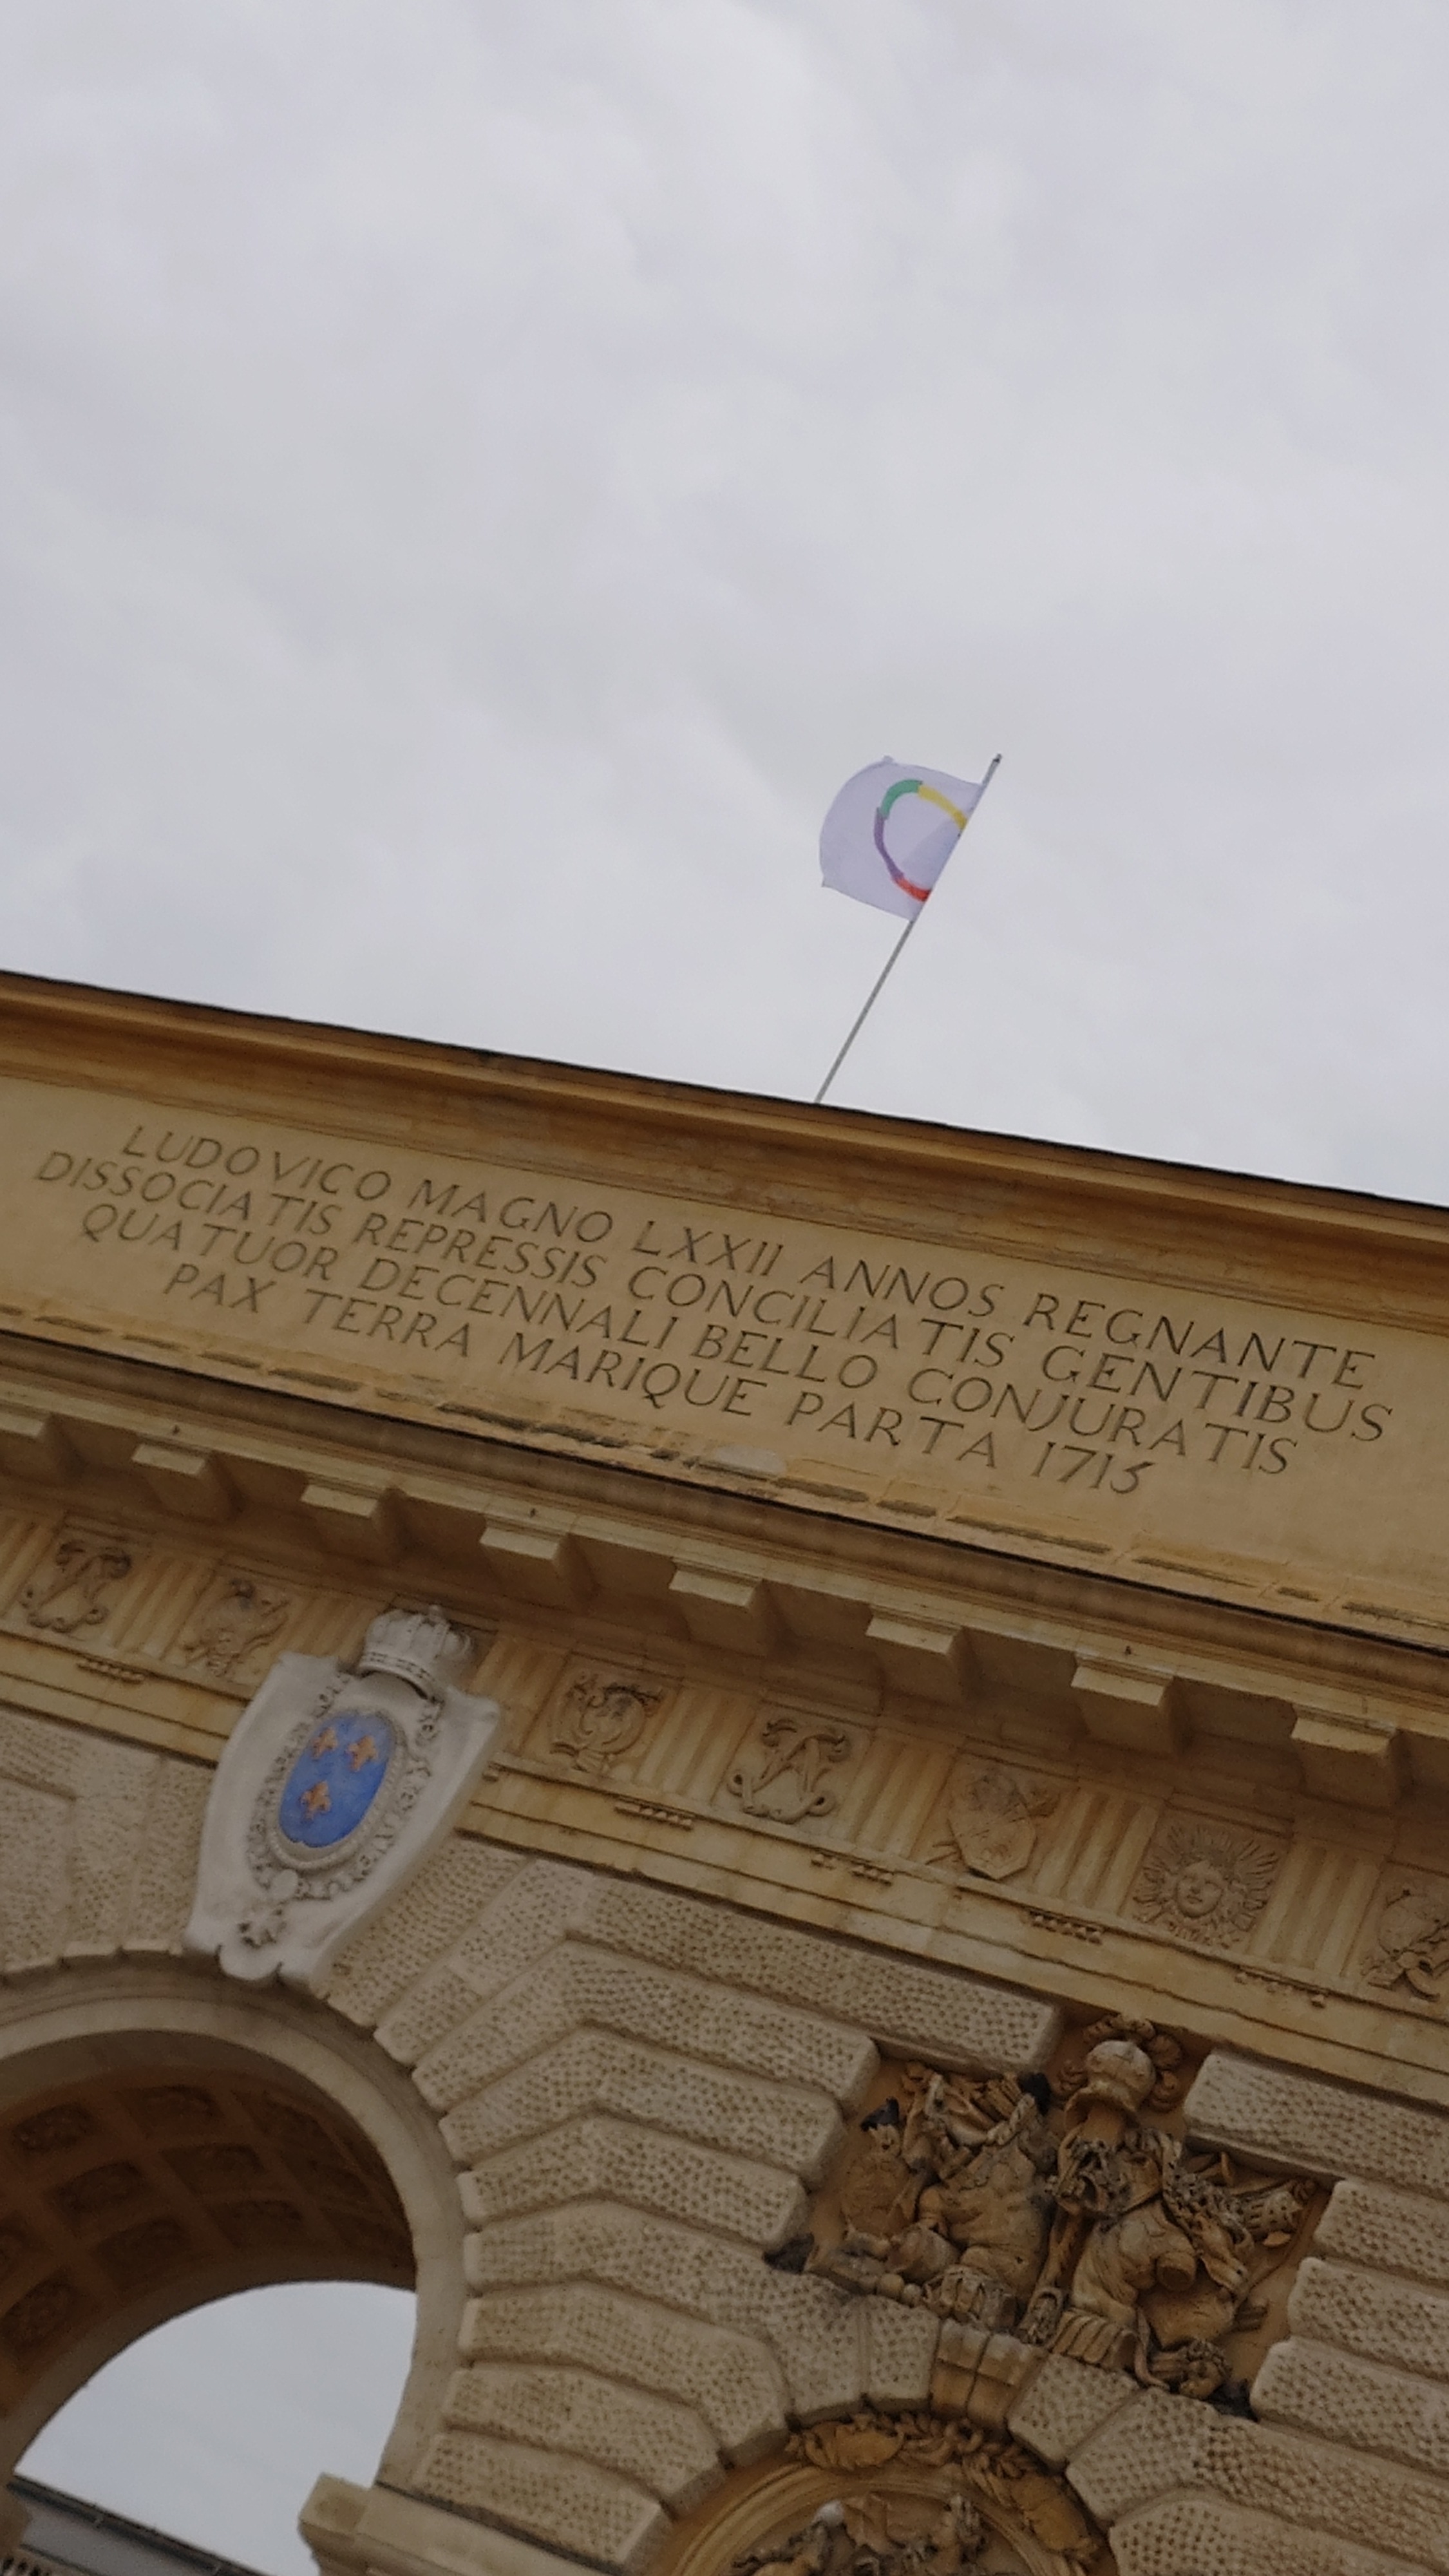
x,y
167,2139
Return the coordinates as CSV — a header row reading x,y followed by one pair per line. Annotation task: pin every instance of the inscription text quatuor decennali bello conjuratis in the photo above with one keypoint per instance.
x,y
1003,1396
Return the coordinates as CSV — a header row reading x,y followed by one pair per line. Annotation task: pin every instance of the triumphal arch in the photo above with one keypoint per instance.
x,y
798,1762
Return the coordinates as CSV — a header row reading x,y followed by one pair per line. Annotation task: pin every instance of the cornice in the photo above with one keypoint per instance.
x,y
1179,1222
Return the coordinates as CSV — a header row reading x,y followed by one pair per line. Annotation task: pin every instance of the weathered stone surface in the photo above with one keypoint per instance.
x,y
1165,2445
1341,2398
1389,2231
574,1984
1063,2404
165,1871
595,2070
817,2338
1315,2126
900,2351
585,2510
1384,2319
958,2019
659,2445
1196,2535
730,2379
617,2160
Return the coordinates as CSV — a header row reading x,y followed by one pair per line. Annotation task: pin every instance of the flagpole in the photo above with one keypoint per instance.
x,y
878,986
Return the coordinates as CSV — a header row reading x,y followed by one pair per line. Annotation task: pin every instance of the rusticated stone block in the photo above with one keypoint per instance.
x,y
438,2003
1195,2535
1343,2399
730,2379
1310,2124
573,1985
546,1901
1384,2320
459,1883
1163,2446
1389,2231
595,2070
618,2160
900,2353
818,2338
653,2441
1063,2404
165,1875
585,2510
942,2013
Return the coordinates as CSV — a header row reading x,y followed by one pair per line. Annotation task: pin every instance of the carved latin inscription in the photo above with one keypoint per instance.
x,y
946,1371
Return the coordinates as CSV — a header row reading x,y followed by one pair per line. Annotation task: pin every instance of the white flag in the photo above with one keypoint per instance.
x,y
890,832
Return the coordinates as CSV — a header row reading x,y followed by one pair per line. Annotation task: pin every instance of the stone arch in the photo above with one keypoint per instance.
x,y
167,2138
787,2495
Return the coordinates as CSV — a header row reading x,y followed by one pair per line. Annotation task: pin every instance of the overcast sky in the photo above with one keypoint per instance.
x,y
478,474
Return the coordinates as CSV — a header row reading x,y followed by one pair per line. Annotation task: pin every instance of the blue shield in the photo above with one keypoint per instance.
x,y
335,1779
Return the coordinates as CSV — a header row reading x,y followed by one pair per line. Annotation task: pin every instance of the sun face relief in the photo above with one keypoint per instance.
x,y
335,1779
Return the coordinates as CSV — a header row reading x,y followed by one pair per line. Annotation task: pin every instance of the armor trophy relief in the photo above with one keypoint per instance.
x,y
333,1790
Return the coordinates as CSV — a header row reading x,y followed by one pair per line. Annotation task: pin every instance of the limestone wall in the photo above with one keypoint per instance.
x,y
638,2089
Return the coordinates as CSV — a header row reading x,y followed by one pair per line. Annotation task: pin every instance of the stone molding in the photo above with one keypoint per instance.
x,y
635,2087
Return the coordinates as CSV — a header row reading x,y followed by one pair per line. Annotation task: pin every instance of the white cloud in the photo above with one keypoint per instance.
x,y
216,2426
479,477
475,478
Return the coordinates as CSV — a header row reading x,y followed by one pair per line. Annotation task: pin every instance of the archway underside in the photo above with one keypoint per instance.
x,y
154,2176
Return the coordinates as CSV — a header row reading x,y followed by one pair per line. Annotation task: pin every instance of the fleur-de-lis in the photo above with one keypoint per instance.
x,y
362,1751
324,1742
316,1800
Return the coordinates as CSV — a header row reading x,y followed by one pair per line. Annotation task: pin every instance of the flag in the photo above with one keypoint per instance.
x,y
890,831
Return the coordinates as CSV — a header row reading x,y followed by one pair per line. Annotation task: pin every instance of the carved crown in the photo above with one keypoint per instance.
x,y
420,1646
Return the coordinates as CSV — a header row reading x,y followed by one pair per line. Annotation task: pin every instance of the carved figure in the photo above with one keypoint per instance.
x,y
989,2465
877,2535
782,1777
1205,1883
68,1596
1089,2232
1411,1940
230,1630
993,1822
600,1721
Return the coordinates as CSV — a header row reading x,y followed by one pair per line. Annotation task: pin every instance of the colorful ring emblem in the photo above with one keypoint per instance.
x,y
928,796
335,1779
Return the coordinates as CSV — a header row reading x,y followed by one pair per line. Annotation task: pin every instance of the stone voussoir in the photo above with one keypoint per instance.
x,y
1311,2124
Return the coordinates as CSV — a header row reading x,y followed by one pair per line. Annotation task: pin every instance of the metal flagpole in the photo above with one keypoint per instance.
x,y
878,986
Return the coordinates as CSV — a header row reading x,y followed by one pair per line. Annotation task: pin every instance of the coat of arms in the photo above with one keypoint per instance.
x,y
993,1820
333,1789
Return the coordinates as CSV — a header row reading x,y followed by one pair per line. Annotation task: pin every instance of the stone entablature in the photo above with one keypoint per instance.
x,y
1094,1818
1001,1807
1059,1357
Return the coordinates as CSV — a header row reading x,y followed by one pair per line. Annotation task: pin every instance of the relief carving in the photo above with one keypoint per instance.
x,y
230,1630
998,2478
1411,1939
1204,1882
1061,2220
876,2535
783,1773
599,1721
992,1819
69,1594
